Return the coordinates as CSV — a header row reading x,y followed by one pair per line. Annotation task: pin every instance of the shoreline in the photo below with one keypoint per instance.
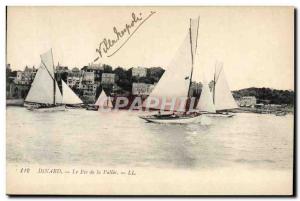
x,y
287,109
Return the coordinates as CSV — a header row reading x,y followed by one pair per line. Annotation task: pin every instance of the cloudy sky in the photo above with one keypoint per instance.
x,y
255,44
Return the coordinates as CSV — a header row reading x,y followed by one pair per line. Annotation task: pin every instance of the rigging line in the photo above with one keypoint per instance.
x,y
219,73
53,64
214,83
197,35
215,73
190,30
54,84
192,53
47,69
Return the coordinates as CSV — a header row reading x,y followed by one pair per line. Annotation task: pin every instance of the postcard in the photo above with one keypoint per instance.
x,y
150,100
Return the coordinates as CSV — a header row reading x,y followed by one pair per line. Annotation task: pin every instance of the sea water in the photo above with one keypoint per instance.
x,y
82,137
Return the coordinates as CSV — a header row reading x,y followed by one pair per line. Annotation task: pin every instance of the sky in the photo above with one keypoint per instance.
x,y
255,44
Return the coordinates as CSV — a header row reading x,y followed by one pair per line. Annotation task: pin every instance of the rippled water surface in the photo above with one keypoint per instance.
x,y
85,137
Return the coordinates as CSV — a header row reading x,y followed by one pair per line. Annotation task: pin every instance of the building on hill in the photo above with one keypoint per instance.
x,y
88,77
25,77
141,89
95,67
17,91
88,87
75,72
18,82
267,95
247,101
61,69
61,72
108,78
139,72
89,93
73,82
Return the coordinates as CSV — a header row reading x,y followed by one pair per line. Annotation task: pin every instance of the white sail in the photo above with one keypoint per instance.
x,y
47,60
171,91
104,101
69,97
58,96
174,83
205,103
41,90
223,98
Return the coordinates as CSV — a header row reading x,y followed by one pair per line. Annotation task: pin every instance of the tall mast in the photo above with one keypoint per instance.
x,y
216,77
214,83
54,85
192,53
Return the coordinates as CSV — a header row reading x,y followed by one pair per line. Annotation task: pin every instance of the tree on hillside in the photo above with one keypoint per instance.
x,y
263,95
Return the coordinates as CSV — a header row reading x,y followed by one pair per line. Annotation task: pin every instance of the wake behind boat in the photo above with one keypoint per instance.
x,y
218,114
173,118
46,108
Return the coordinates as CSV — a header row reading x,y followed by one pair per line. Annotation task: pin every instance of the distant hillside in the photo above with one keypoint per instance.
x,y
272,96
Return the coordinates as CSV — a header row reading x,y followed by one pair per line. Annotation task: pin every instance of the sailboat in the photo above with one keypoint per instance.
x,y
174,85
222,96
69,97
205,104
44,94
103,103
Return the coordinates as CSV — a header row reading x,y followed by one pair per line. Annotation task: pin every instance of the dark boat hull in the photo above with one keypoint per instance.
x,y
172,119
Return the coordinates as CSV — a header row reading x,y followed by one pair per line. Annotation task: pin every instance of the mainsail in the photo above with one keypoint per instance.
x,y
104,101
69,97
41,90
47,60
172,89
58,96
223,98
205,103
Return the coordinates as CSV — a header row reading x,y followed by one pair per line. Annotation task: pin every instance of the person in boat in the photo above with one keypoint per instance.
x,y
159,114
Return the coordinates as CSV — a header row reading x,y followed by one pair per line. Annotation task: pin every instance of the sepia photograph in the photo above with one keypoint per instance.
x,y
150,100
